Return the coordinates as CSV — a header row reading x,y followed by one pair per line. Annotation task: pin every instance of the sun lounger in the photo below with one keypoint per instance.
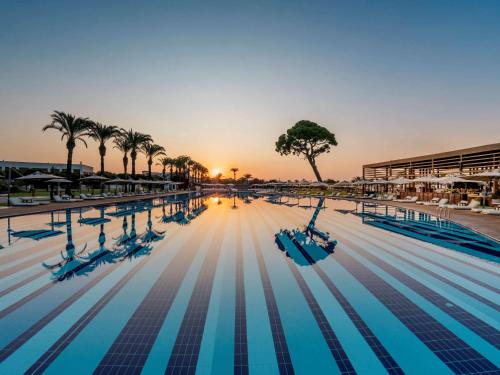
x,y
89,197
434,200
408,199
388,197
23,202
65,199
440,202
492,211
464,206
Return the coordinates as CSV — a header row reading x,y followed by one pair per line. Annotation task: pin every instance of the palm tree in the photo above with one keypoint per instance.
x,y
191,164
234,170
181,165
122,144
73,129
102,133
204,172
152,150
136,140
166,162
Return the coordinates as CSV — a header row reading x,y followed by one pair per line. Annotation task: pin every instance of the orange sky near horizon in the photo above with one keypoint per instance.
x,y
250,151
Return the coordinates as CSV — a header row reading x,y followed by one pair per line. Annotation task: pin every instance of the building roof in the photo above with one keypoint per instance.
x,y
465,151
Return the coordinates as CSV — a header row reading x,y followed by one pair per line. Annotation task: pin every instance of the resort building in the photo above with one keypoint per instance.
x,y
465,161
25,166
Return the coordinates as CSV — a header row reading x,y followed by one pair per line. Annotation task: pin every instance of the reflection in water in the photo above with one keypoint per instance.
x,y
99,220
70,257
151,235
308,246
128,244
428,228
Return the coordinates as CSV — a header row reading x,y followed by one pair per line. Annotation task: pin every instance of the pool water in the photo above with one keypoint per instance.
x,y
244,284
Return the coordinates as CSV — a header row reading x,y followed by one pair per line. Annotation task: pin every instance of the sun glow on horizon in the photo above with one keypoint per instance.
x,y
215,171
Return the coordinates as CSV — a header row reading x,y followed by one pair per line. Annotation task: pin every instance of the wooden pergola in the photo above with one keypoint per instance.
x,y
466,161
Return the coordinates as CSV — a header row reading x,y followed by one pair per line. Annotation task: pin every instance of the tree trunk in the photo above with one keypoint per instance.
x,y
133,156
69,174
315,169
125,165
102,152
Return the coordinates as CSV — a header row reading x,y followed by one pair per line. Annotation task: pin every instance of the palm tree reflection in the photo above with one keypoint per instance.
x,y
308,246
70,257
151,235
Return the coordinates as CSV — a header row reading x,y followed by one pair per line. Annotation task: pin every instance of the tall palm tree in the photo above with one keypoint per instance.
x,y
234,170
102,133
136,140
197,169
166,162
151,151
73,129
204,172
182,164
191,164
122,144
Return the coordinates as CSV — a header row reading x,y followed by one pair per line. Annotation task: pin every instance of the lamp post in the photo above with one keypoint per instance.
x,y
8,187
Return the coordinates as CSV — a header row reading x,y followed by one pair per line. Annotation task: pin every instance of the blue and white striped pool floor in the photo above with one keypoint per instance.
x,y
160,287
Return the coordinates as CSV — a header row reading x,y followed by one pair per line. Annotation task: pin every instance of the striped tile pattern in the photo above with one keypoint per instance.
x,y
442,303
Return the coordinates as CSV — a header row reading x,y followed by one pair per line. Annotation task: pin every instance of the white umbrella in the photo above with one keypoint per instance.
x,y
400,181
94,178
37,176
485,176
431,179
116,181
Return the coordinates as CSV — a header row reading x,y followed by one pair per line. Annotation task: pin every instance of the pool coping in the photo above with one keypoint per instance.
x,y
31,210
419,208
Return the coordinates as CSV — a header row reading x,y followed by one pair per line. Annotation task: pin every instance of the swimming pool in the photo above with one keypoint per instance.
x,y
244,285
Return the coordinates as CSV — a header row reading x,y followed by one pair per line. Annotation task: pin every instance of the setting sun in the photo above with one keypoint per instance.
x,y
215,171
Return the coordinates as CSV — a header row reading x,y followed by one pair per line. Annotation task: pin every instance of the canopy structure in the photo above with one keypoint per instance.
x,y
37,176
427,179
343,184
318,184
94,178
58,181
116,181
362,182
400,181
485,176
452,180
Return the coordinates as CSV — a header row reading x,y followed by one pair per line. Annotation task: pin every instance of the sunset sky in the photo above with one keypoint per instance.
x,y
220,81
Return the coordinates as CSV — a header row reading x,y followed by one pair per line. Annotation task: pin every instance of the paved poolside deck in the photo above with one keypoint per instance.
x,y
28,210
486,224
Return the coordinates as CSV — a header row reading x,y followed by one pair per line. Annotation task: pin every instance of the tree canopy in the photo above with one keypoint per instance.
x,y
308,139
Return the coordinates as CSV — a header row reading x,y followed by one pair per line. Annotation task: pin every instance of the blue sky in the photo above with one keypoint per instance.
x,y
222,80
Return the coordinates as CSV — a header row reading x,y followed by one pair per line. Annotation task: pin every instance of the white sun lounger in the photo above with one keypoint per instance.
x,y
464,206
441,202
433,200
16,201
408,199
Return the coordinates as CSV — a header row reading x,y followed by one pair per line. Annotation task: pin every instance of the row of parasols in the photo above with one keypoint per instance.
x,y
53,179
479,178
